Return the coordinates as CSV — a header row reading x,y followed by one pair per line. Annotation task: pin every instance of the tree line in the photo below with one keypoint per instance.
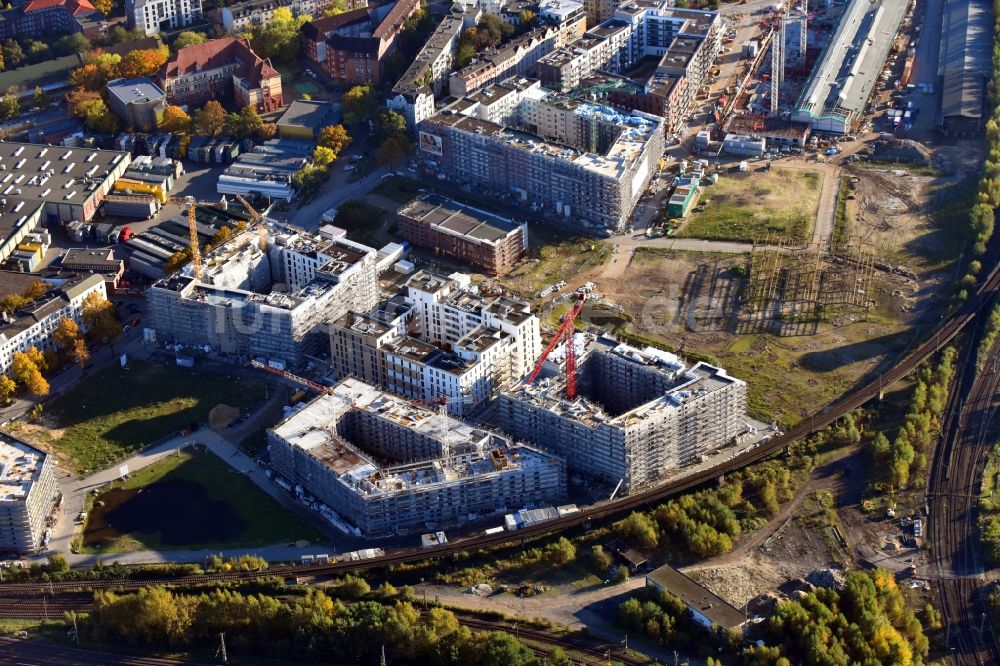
x,y
709,522
312,627
906,456
663,618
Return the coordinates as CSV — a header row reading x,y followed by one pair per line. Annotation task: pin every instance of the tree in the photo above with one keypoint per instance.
x,y
309,179
337,7
36,289
527,19
26,373
7,388
13,54
72,43
267,131
13,303
175,120
639,529
10,107
103,6
621,575
99,317
557,657
358,104
246,123
142,62
79,353
602,561
334,137
323,156
391,125
97,116
189,38
66,334
561,551
279,39
40,98
57,564
355,587
393,150
210,119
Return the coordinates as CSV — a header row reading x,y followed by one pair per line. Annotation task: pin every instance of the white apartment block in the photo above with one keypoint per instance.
x,y
27,496
388,466
449,343
33,325
153,16
639,413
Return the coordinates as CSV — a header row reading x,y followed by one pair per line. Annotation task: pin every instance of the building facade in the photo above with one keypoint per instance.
x,y
222,68
28,494
485,240
154,16
235,310
438,471
352,46
43,17
34,324
138,102
582,164
241,17
640,413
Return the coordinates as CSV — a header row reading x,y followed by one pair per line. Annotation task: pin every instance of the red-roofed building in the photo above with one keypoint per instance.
x,y
39,17
221,68
352,46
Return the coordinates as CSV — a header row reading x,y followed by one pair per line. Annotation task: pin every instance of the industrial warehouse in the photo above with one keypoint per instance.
x,y
43,184
639,413
388,466
273,303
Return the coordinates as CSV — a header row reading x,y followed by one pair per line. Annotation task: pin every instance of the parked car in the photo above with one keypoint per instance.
x,y
330,215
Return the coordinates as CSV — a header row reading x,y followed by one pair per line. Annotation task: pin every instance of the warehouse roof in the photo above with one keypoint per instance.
x,y
965,57
310,114
696,597
51,174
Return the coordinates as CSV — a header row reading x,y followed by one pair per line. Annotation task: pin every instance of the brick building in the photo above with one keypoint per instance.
x,y
352,46
482,239
40,17
222,68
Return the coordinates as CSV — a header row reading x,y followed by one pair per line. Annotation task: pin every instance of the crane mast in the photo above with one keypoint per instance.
x,y
565,331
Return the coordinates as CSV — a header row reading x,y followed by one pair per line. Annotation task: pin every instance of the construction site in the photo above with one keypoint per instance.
x,y
623,415
377,465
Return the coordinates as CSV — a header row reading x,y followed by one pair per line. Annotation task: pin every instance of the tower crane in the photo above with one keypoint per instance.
x,y
301,381
190,203
259,219
566,329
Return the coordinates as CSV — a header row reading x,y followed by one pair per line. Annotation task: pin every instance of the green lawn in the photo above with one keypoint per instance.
x,y
116,411
745,206
263,521
399,189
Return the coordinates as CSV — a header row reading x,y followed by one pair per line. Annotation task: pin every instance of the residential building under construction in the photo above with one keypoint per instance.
x,y
389,466
446,342
637,415
272,303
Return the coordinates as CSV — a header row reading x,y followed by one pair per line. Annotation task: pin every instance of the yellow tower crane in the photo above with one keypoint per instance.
x,y
259,219
190,203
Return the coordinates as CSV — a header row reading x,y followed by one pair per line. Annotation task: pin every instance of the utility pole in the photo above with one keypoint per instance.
x,y
381,661
222,648
76,631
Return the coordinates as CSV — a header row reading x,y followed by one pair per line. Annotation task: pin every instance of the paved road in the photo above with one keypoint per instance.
x,y
335,192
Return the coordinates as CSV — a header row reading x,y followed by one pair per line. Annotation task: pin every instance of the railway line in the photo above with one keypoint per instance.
x,y
968,434
843,405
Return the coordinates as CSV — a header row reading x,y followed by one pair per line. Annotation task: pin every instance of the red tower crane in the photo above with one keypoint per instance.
x,y
566,329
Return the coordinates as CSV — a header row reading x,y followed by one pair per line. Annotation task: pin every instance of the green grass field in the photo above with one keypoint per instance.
x,y
116,412
742,207
262,521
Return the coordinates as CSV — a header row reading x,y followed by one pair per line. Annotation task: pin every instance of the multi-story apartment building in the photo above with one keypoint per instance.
x,y
153,16
34,324
584,165
274,304
433,469
28,494
40,17
426,78
485,240
686,41
352,46
638,413
240,17
222,68
450,343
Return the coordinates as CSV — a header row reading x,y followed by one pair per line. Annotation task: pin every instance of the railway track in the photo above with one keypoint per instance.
x,y
38,653
968,434
846,403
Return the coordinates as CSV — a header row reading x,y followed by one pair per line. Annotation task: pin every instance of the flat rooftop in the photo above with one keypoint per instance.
x,y
451,217
51,174
363,324
138,90
314,429
311,114
20,467
697,597
842,80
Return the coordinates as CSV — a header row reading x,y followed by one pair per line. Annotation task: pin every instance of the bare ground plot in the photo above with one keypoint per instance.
x,y
554,257
913,220
686,301
745,206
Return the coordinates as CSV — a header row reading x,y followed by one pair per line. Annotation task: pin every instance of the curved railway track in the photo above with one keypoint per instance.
x,y
846,403
968,435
